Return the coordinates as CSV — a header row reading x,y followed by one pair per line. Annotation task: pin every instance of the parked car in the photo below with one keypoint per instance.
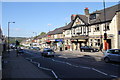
x,y
47,52
36,48
20,50
88,48
111,55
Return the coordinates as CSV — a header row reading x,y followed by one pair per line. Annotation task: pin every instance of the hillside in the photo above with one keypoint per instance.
x,y
13,39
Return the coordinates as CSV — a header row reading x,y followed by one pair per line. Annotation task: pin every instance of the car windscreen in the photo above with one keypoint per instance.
x,y
115,51
48,50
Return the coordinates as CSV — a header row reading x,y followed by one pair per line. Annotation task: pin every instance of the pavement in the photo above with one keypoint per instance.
x,y
95,54
18,67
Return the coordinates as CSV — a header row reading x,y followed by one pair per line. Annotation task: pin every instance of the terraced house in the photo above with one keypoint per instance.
x,y
89,29
56,38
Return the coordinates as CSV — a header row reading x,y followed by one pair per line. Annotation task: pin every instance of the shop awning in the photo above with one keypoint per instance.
x,y
81,40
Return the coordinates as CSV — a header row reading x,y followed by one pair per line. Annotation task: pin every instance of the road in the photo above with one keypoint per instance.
x,y
74,66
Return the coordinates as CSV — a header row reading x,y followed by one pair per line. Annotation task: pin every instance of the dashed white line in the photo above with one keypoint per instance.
x,y
85,68
113,76
115,65
99,71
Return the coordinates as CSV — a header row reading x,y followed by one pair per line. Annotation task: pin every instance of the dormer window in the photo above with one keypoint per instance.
x,y
92,16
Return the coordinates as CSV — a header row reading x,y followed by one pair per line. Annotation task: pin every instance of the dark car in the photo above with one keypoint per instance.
x,y
48,52
88,48
111,55
36,48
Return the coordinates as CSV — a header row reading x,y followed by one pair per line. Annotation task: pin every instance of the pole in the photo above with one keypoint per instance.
x,y
8,36
105,34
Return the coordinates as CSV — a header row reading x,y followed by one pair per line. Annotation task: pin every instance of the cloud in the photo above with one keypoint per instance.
x,y
49,24
16,29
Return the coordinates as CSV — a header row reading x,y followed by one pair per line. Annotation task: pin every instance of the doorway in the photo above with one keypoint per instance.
x,y
109,42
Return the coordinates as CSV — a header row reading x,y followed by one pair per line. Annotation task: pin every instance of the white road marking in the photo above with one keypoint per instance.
x,y
75,66
38,65
115,65
113,76
54,74
85,68
99,71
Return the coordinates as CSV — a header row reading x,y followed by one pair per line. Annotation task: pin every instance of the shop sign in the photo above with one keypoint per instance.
x,y
59,40
49,35
52,40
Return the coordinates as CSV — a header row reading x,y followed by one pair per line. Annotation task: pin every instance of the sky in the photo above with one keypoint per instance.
x,y
32,18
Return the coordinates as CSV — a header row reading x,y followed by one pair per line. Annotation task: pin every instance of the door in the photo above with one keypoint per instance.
x,y
109,43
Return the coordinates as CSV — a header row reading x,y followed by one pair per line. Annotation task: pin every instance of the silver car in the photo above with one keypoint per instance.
x,y
48,52
112,55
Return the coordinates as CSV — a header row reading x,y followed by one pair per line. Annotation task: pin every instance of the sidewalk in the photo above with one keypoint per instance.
x,y
18,67
96,54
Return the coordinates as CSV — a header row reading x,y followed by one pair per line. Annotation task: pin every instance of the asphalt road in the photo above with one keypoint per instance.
x,y
74,66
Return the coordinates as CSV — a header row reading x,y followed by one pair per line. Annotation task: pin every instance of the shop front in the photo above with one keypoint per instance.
x,y
77,42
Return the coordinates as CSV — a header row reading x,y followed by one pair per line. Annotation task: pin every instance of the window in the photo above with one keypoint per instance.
x,y
108,28
89,29
84,29
90,39
92,16
68,32
97,28
97,42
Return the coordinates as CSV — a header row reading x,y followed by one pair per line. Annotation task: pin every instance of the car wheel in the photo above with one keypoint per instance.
x,y
91,50
106,59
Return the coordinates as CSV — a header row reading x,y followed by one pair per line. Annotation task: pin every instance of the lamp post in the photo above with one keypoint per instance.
x,y
8,33
35,33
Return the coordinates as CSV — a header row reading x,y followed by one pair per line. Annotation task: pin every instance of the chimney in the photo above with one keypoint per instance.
x,y
86,10
73,17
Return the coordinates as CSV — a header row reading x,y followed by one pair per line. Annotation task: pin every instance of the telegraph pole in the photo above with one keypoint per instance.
x,y
105,34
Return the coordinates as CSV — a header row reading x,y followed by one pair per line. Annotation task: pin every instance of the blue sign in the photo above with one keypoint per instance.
x,y
59,40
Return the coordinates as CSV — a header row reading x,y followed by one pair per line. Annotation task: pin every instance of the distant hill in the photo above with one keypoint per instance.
x,y
13,39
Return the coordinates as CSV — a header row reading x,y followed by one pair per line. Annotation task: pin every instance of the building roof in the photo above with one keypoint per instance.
x,y
83,18
109,12
41,36
68,26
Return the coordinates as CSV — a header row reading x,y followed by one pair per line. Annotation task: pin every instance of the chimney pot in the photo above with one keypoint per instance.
x,y
73,17
86,10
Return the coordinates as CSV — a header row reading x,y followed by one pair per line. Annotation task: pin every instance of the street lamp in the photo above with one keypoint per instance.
x,y
8,33
35,33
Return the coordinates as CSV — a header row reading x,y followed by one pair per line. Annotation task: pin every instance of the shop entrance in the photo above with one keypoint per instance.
x,y
109,43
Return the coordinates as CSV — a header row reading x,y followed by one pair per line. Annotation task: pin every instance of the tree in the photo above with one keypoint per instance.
x,y
42,33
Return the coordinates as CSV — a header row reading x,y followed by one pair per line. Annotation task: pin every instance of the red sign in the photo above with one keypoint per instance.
x,y
49,35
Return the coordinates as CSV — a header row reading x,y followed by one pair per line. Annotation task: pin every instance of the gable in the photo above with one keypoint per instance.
x,y
78,21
